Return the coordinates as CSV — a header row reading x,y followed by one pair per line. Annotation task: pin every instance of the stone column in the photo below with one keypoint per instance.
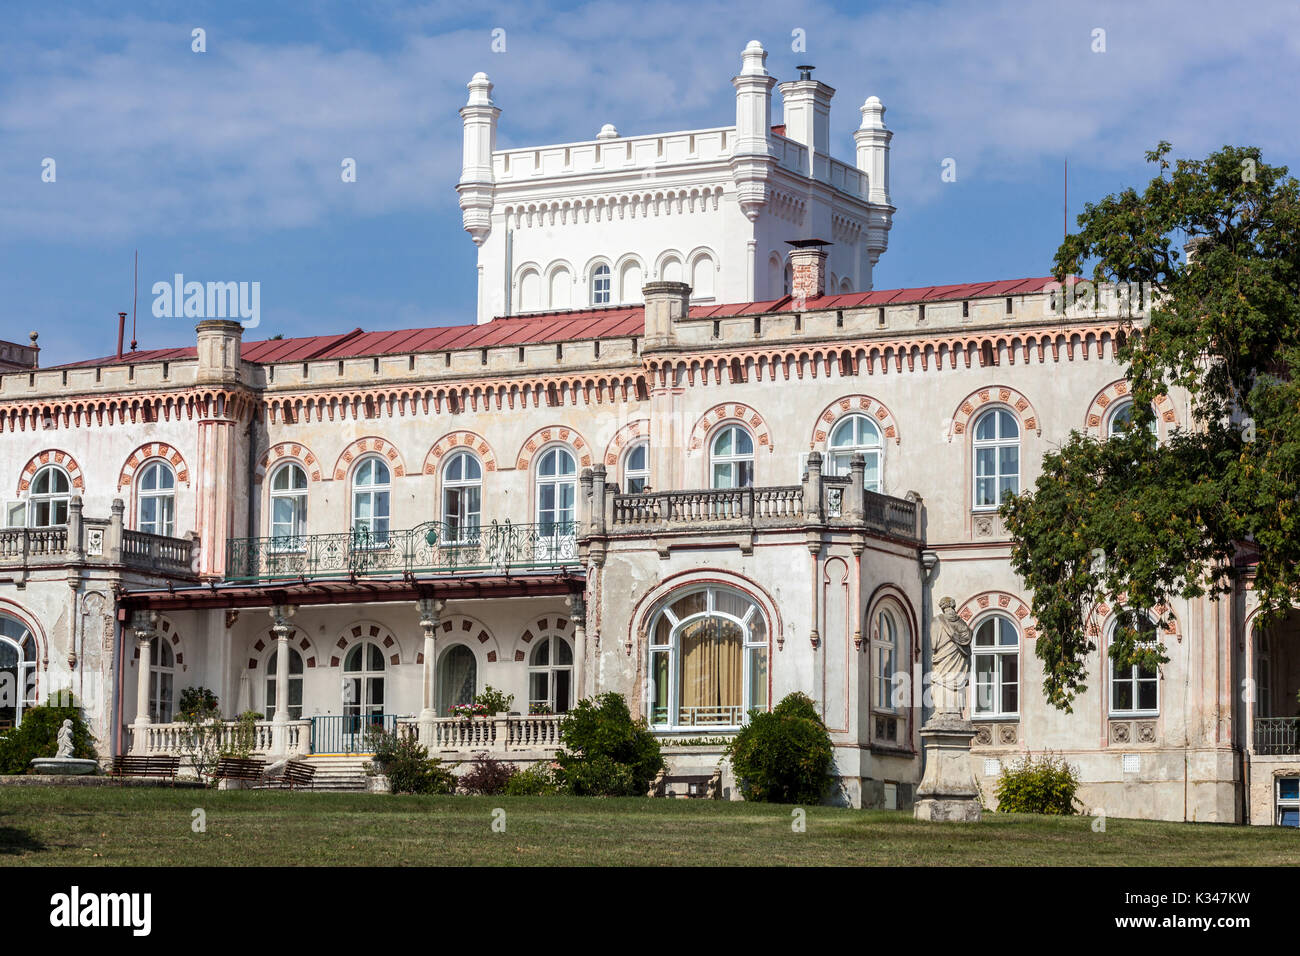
x,y
577,605
282,630
430,614
142,624
851,508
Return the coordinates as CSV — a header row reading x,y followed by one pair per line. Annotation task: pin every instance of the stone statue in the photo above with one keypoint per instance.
x,y
951,665
65,741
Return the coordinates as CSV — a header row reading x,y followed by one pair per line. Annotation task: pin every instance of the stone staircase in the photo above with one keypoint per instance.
x,y
342,772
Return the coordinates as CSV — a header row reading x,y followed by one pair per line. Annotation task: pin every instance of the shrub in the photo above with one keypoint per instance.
x,y
487,776
243,736
197,700
494,700
1044,785
607,753
542,780
201,740
783,756
38,736
407,763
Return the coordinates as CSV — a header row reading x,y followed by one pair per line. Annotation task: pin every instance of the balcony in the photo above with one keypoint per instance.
x,y
429,548
96,541
1277,736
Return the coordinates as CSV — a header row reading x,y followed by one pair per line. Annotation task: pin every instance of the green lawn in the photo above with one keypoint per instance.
x,y
109,826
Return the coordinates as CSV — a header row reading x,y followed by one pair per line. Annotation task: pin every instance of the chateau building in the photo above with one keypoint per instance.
x,y
686,452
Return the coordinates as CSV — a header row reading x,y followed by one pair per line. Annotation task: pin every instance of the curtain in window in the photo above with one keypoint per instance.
x,y
711,672
457,676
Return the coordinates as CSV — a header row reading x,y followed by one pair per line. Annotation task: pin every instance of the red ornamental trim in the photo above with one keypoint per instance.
x,y
731,412
153,450
625,436
554,433
997,601
52,456
994,394
1095,420
458,440
288,451
851,404
369,446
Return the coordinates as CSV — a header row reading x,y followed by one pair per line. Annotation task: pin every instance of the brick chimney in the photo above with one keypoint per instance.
x,y
807,268
665,303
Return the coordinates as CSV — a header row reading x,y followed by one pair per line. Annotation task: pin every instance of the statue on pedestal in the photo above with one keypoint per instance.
x,y
951,665
64,741
948,790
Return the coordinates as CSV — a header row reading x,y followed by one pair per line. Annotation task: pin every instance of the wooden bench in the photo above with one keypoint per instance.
x,y
249,769
698,786
155,766
297,773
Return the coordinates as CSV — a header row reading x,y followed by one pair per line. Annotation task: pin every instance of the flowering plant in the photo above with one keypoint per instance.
x,y
537,709
467,711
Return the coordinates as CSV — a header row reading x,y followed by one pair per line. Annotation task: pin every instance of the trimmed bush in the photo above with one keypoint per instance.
x,y
1044,785
487,776
784,756
542,780
39,736
607,753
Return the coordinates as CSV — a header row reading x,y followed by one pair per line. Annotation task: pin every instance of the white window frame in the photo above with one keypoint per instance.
x,y
1281,803
672,650
444,706
1112,423
884,660
1001,415
1133,679
292,537
363,705
563,484
736,462
466,520
17,636
158,670
639,474
272,663
54,499
998,652
377,527
602,285
550,642
164,497
839,455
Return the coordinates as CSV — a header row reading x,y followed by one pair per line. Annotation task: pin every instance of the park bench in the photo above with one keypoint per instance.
x,y
297,773
155,766
698,786
250,769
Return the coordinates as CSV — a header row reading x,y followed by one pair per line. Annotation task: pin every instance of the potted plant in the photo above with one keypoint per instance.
x,y
467,711
495,701
540,710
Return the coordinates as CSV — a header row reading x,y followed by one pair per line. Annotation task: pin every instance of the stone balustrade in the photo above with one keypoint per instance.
x,y
494,735
171,738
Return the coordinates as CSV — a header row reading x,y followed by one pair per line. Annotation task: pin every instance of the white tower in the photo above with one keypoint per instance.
x,y
751,159
873,159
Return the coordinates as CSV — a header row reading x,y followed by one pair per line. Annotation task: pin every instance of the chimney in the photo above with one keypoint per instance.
x,y
807,268
219,344
806,113
665,303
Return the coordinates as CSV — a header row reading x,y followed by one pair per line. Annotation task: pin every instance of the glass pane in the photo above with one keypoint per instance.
x,y
1122,698
659,687
694,603
376,657
1007,634
986,428
710,672
563,652
636,458
1147,691
542,653
563,691
746,470
352,662
722,475
1009,460
744,443
984,634
758,678
723,444
985,461
1288,788
539,691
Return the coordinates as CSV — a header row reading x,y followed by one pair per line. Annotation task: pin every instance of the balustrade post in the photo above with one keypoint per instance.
x,y
851,507
430,614
586,503
142,624
282,629
598,502
812,489
75,544
113,546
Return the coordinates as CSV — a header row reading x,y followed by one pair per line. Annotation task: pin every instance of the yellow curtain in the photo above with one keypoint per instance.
x,y
711,670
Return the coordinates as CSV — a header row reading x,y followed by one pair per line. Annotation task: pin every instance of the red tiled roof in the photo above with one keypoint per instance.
x,y
541,328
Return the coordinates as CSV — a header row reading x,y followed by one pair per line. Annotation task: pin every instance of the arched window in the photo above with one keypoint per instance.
x,y
363,680
288,506
294,684
857,434
1135,690
462,497
732,458
162,677
48,505
556,492
1121,417
550,676
457,678
370,503
600,285
636,468
156,499
708,660
17,671
997,457
995,660
884,664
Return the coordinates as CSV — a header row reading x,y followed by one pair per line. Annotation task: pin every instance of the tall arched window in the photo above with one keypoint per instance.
x,y
457,678
600,285
708,660
462,498
1135,690
156,499
550,676
294,684
17,670
636,468
884,664
857,434
48,504
1121,416
162,677
997,457
732,458
995,660
370,499
363,680
288,506
556,491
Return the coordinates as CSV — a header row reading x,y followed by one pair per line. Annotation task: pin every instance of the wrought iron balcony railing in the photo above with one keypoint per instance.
x,y
429,548
1277,735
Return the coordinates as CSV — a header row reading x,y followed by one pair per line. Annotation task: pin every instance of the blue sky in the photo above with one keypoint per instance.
x,y
225,165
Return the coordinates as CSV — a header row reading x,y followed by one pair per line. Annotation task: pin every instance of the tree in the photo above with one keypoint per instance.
x,y
1132,522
